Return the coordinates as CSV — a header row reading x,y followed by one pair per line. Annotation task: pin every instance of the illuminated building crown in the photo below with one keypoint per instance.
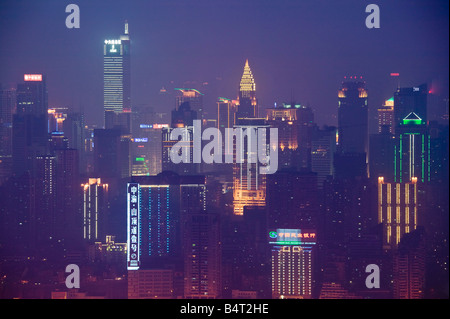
x,y
247,82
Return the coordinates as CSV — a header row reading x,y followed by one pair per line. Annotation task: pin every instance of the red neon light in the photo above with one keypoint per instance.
x,y
32,77
395,74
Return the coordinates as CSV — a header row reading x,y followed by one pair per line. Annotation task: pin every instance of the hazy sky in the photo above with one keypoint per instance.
x,y
300,48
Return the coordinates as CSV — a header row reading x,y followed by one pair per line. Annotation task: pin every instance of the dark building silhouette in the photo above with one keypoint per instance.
x,y
292,199
409,266
111,153
353,143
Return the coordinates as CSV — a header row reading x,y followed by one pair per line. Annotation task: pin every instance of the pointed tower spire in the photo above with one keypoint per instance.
x,y
126,26
247,84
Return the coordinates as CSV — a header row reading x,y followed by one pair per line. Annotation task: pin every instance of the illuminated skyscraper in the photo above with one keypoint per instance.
x,y
412,150
407,100
285,119
32,96
201,254
247,106
295,123
162,229
116,73
95,202
249,185
146,148
397,210
162,199
292,263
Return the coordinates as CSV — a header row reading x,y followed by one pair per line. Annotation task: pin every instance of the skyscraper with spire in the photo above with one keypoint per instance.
x,y
116,74
247,106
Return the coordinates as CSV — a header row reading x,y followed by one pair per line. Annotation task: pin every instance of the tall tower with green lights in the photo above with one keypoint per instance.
x,y
412,150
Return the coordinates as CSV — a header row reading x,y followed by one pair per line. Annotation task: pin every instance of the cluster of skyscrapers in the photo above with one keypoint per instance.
x,y
111,200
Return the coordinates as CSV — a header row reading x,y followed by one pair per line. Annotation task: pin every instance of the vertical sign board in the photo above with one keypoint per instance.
x,y
133,226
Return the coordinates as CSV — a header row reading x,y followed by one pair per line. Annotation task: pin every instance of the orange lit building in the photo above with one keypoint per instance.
x,y
95,201
397,210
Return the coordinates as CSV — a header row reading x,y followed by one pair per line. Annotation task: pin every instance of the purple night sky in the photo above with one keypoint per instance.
x,y
300,48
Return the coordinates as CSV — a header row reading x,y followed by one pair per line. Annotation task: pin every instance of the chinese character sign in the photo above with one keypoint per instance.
x,y
133,226
292,236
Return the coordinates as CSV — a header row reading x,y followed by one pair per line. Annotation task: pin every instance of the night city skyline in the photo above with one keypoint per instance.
x,y
224,150
288,44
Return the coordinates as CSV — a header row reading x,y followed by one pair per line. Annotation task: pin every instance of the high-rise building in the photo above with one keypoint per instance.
x,y
184,115
249,185
195,99
353,118
95,210
353,142
44,222
386,116
56,118
397,210
186,143
147,150
202,254
381,153
30,128
412,150
407,100
32,96
111,153
286,120
247,104
7,109
323,148
409,266
226,114
119,120
116,73
292,263
160,219
68,197
291,199
348,209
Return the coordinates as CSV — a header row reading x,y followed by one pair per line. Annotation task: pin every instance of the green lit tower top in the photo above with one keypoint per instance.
x,y
412,150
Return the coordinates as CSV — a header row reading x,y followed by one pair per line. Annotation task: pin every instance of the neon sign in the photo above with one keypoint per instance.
x,y
155,126
133,226
292,237
32,77
113,41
